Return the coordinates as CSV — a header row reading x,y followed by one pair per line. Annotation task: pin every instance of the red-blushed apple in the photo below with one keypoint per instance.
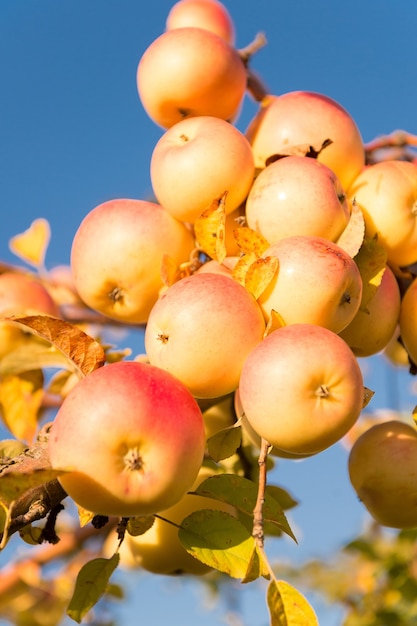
x,y
375,323
21,294
301,388
305,118
187,72
383,472
297,195
201,330
386,192
117,254
131,437
408,321
317,283
196,161
209,14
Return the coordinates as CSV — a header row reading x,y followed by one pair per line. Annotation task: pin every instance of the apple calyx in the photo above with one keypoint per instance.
x,y
132,460
116,294
322,391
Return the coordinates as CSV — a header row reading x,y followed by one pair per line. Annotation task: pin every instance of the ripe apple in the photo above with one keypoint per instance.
x,y
374,326
395,352
301,388
21,294
297,195
317,283
383,472
187,72
219,415
387,194
408,321
132,437
209,14
117,254
159,550
196,161
201,330
307,118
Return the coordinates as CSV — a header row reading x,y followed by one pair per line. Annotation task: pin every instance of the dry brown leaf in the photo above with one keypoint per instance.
x,y
209,229
84,354
259,275
32,244
249,241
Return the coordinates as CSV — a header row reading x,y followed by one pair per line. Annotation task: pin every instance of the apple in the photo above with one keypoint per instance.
x,y
209,14
395,352
383,472
187,72
21,294
201,330
131,437
297,195
387,194
117,253
301,388
408,321
196,161
374,325
305,118
219,416
317,283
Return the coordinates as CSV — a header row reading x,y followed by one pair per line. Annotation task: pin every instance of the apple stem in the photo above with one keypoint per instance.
x,y
258,522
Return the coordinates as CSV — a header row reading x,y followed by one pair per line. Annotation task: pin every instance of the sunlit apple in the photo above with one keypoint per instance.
x,y
209,14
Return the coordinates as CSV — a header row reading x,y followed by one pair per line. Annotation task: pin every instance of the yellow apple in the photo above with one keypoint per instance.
x,y
307,118
187,72
408,321
374,325
387,194
383,472
131,437
209,14
301,388
201,330
317,283
297,195
117,253
196,161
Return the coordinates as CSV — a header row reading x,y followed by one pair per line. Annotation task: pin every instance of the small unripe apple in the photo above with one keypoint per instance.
x,y
131,437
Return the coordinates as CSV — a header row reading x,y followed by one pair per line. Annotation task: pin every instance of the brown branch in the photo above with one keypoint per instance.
x,y
396,146
258,521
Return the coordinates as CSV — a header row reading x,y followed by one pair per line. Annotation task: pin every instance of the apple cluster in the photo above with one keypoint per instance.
x,y
270,260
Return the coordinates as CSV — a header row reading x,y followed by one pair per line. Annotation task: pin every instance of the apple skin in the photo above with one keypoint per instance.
x,y
317,283
383,472
117,253
307,118
188,72
196,161
132,437
297,196
21,294
371,330
301,389
201,330
387,194
408,321
209,14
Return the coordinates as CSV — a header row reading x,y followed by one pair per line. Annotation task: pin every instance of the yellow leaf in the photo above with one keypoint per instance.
x,y
209,229
242,266
288,607
85,516
249,241
352,237
20,400
371,261
275,321
32,244
259,274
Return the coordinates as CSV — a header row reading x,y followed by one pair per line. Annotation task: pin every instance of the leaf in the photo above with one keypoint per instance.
x,y
368,394
91,584
15,484
242,493
275,321
371,261
304,150
20,402
352,237
83,353
282,496
257,567
32,244
209,230
31,534
9,449
34,353
250,242
4,519
219,540
85,516
224,443
259,275
140,524
242,266
169,270
288,607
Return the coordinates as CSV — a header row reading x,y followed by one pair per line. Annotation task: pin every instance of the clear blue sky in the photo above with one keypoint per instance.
x,y
73,134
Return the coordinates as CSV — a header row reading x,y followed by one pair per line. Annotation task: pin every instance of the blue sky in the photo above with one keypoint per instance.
x,y
73,134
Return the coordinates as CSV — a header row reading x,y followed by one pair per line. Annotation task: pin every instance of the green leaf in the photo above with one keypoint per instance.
x,y
242,494
15,484
219,540
257,567
140,524
91,584
288,607
224,443
282,496
31,534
